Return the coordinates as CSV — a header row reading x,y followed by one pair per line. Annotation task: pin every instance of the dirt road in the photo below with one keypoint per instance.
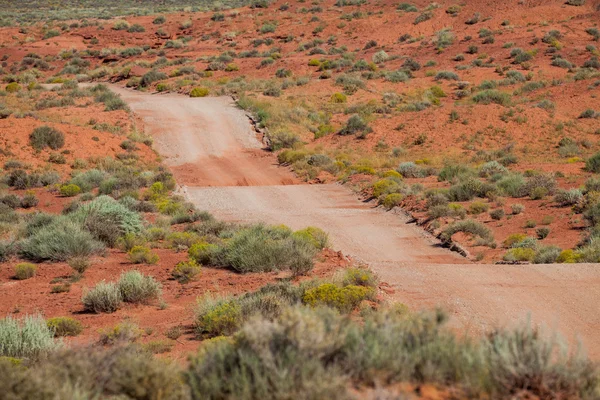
x,y
215,156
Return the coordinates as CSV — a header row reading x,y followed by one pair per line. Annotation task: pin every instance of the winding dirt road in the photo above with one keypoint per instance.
x,y
217,159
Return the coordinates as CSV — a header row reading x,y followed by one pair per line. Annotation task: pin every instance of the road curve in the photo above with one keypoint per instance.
x,y
217,159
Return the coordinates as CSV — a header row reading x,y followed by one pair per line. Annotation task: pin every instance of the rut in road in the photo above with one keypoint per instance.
x,y
215,156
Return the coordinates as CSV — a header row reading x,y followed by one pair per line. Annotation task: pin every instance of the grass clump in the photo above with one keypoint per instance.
x,y
64,326
28,337
45,136
261,248
199,92
468,226
25,271
492,96
58,239
186,271
103,298
344,299
135,287
142,255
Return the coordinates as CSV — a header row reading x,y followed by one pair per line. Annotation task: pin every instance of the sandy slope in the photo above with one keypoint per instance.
x,y
207,142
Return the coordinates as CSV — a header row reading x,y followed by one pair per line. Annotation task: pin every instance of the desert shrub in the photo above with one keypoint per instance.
x,y
11,200
411,170
446,75
589,113
59,240
152,76
79,264
64,326
478,207
358,277
69,190
514,239
25,271
124,332
355,125
89,179
135,287
107,220
468,226
316,236
135,28
561,63
103,298
512,185
344,299
469,188
497,214
568,197
452,171
82,373
519,254
217,316
392,200
186,271
492,96
260,248
204,253
547,255
592,164
575,2
539,184
568,257
397,76
338,98
13,87
542,233
29,200
159,20
423,17
45,136
491,168
199,92
142,255
28,337
121,25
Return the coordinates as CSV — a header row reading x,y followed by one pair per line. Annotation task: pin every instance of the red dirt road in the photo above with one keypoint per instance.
x,y
208,142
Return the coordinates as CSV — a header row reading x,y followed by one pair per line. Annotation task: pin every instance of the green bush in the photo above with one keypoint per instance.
x,y
25,271
260,249
82,373
59,240
135,287
103,298
186,271
216,317
547,255
64,326
316,236
468,226
355,125
13,87
45,136
107,219
69,190
592,164
344,299
446,75
28,337
519,254
204,253
152,76
199,92
492,96
142,255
